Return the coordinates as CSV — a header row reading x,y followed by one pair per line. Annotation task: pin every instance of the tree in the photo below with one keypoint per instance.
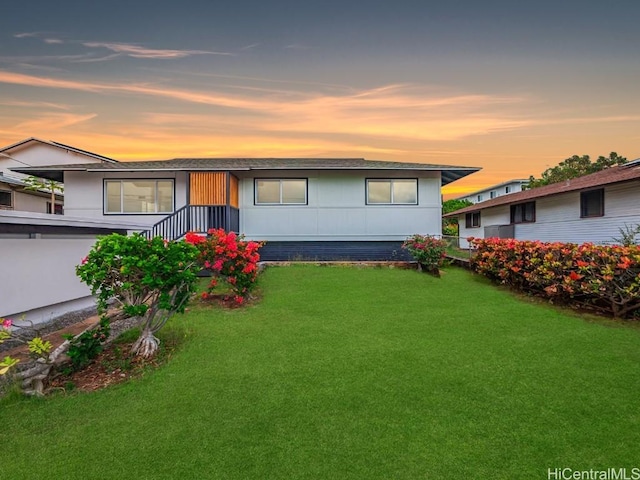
x,y
41,184
148,278
450,225
574,167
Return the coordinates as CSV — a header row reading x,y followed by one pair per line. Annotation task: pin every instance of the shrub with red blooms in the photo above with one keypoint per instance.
x,y
604,277
230,257
427,250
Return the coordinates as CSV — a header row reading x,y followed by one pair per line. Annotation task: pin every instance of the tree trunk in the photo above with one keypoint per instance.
x,y
147,344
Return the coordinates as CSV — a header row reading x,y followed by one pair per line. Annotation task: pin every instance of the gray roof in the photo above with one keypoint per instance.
x,y
56,172
57,145
11,180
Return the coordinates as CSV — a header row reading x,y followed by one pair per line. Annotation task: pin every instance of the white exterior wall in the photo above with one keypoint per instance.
x,y
558,217
491,216
500,190
38,276
84,194
38,154
337,209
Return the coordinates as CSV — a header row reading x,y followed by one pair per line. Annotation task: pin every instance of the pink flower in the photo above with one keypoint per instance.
x,y
6,323
84,260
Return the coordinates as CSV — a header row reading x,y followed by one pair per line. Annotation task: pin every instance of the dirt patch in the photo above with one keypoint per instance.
x,y
115,364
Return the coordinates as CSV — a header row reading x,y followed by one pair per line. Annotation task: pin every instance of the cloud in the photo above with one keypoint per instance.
x,y
392,111
27,34
53,41
136,51
39,105
53,121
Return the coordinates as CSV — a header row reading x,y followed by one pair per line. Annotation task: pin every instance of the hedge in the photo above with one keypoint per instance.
x,y
604,277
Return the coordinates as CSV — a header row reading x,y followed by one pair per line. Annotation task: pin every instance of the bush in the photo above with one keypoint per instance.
x,y
229,256
148,278
427,250
603,277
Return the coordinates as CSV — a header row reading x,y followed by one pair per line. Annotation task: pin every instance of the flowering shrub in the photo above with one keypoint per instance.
x,y
427,250
38,348
605,277
148,278
229,256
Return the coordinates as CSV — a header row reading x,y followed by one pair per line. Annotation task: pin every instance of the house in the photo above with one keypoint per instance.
x,y
305,208
591,208
34,152
494,191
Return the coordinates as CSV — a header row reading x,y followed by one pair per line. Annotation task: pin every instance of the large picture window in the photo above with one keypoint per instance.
x,y
392,192
592,203
523,212
281,191
138,196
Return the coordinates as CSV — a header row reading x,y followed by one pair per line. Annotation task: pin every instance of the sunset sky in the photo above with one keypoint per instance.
x,y
512,87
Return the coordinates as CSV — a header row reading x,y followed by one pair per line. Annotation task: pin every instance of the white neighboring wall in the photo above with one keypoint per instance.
x,y
37,154
38,279
558,218
495,191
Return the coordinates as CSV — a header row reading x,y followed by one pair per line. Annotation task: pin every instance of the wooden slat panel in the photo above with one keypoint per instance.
x,y
233,190
207,188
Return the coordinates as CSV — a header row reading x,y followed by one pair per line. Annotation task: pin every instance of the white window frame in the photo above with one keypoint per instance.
x,y
392,181
124,180
281,181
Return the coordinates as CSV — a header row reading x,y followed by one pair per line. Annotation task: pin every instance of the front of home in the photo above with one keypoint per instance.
x,y
305,208
592,209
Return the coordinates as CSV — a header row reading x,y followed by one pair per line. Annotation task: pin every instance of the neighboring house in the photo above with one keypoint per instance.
x,y
504,188
586,209
14,196
33,152
305,208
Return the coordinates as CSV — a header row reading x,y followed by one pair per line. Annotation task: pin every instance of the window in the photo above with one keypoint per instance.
x,y
507,189
281,191
6,199
479,198
392,192
592,203
138,196
472,220
59,209
523,212
492,194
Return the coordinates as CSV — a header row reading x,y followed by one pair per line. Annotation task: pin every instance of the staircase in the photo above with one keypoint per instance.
x,y
195,218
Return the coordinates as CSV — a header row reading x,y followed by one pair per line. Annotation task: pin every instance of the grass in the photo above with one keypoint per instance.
x,y
353,373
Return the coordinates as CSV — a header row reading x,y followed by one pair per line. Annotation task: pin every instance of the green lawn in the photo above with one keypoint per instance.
x,y
353,373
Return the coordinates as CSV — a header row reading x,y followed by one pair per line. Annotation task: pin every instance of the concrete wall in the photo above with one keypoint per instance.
x,y
337,209
37,270
38,276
